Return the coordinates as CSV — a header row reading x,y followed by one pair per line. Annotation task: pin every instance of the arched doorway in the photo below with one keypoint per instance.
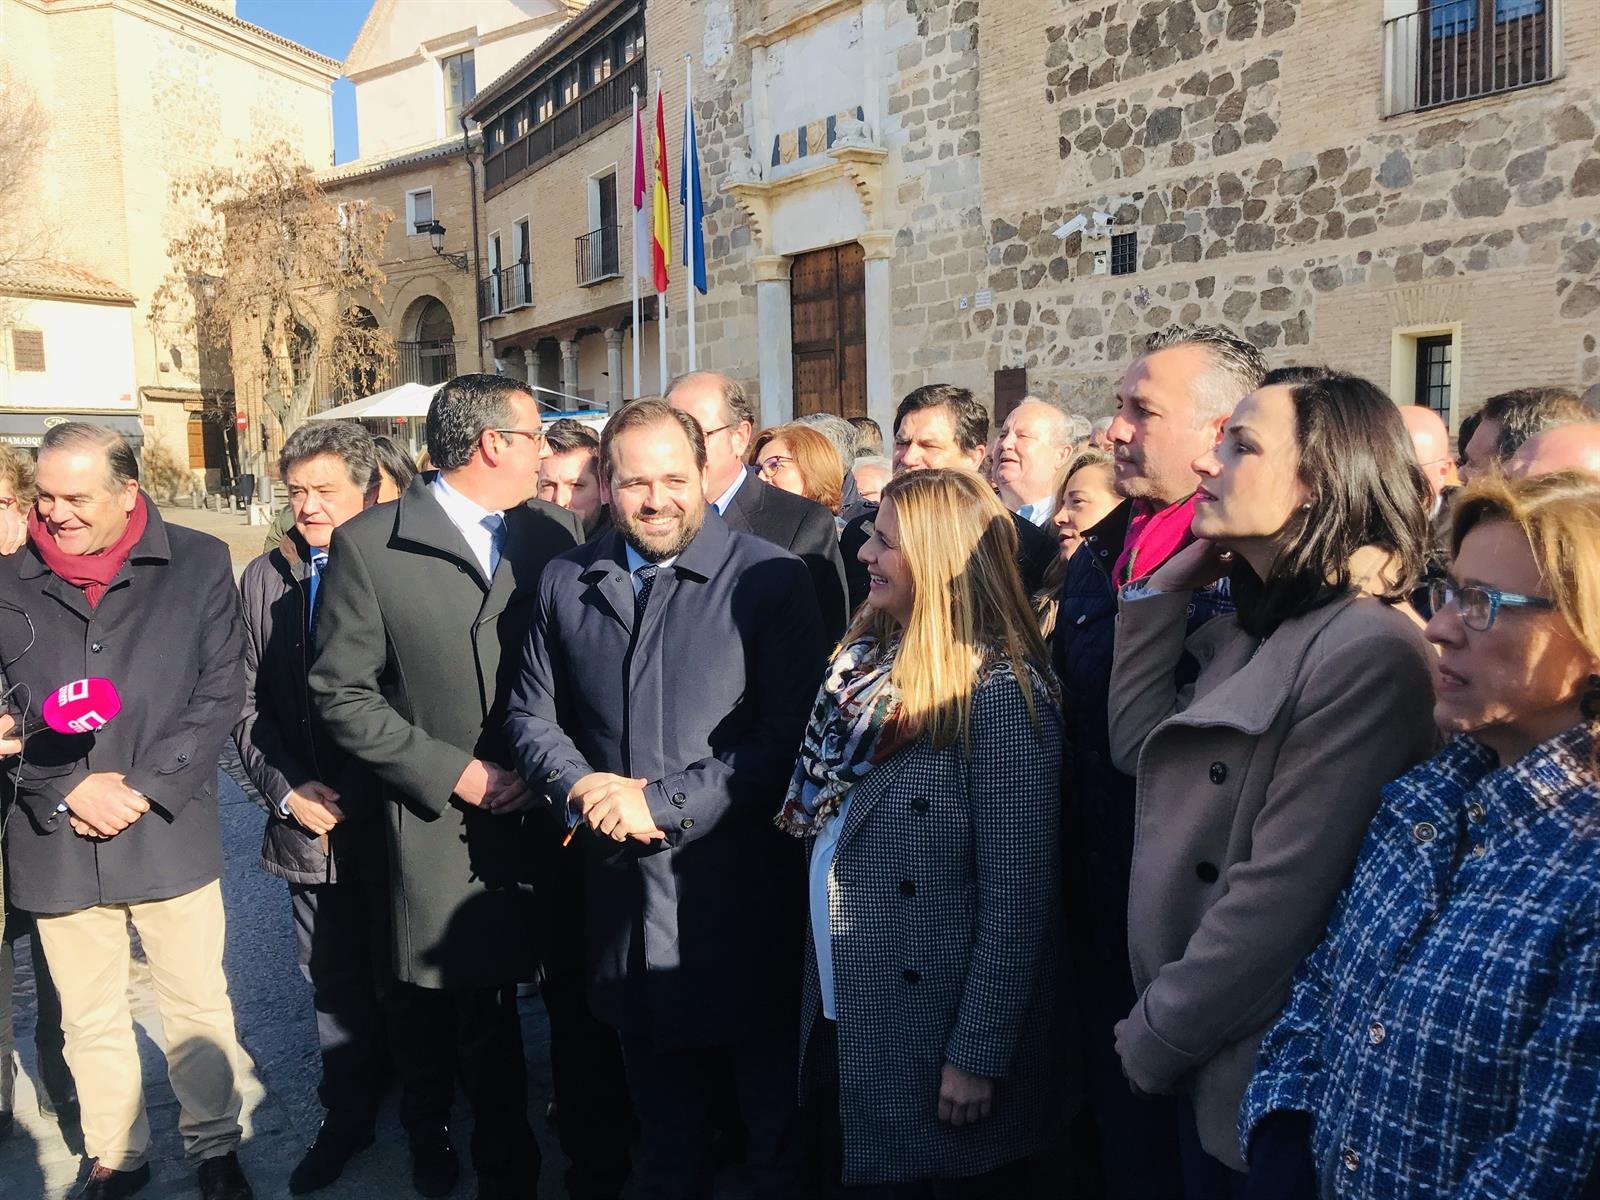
x,y
431,357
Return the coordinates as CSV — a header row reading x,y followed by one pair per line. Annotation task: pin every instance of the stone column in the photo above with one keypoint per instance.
x,y
774,339
879,252
569,368
614,369
515,359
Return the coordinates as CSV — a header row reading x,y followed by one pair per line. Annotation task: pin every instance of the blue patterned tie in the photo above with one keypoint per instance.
x,y
646,576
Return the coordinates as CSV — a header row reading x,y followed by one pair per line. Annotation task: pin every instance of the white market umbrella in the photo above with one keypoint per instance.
x,y
407,400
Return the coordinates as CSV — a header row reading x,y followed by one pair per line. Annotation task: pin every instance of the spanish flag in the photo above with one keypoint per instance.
x,y
662,251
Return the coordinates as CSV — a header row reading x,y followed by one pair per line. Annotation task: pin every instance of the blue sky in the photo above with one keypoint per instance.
x,y
328,27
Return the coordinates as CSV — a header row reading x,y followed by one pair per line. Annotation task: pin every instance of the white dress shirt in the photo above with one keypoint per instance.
x,y
721,502
478,525
1039,512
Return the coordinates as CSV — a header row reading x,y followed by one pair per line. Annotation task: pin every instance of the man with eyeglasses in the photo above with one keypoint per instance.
x,y
802,527
420,619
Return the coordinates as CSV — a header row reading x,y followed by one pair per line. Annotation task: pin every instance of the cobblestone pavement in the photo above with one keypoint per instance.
x,y
272,1008
244,540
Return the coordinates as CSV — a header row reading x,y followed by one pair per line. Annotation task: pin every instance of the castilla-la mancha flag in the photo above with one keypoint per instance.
x,y
662,252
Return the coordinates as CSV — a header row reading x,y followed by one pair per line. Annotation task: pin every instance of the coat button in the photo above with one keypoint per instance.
x,y
688,823
911,975
1476,813
1351,1160
1219,772
907,888
919,804
552,777
95,647
183,758
1376,1033
1423,832
1479,850
1207,871
678,798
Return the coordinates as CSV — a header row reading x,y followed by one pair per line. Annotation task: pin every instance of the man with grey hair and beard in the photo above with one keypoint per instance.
x,y
665,683
419,617
1171,406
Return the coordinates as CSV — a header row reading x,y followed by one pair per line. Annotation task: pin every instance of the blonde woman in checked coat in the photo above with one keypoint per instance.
x,y
927,787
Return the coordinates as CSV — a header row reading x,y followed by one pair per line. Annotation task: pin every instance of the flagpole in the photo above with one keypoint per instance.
x,y
661,297
688,195
635,269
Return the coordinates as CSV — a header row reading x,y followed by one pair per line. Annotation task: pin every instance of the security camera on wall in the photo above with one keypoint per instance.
x,y
1077,225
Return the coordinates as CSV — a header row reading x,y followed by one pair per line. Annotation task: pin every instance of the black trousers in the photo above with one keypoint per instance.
x,y
675,1093
474,1036
56,1090
342,953
594,1113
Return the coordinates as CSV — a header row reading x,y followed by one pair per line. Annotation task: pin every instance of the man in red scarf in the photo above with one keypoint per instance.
x,y
1171,406
121,824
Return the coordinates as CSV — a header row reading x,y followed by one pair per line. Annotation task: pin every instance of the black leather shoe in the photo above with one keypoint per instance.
x,y
5,1123
105,1184
434,1167
325,1161
222,1179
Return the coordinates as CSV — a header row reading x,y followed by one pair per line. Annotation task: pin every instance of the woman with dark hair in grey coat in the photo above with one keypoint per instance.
x,y
927,786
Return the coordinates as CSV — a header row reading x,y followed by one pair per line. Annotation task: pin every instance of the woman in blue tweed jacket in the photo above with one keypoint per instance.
x,y
927,790
1444,1040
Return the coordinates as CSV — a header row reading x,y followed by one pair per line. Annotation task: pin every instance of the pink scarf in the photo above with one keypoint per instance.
x,y
1154,535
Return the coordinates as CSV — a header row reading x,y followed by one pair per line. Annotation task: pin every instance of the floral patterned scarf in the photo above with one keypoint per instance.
x,y
854,727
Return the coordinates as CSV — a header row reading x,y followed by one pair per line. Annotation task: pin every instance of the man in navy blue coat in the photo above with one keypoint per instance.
x,y
664,691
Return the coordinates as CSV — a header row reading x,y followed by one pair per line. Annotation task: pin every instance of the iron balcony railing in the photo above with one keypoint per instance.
x,y
1453,50
507,288
597,255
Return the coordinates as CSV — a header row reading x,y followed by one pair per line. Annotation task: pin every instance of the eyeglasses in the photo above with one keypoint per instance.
x,y
771,466
1479,606
708,432
536,434
7,502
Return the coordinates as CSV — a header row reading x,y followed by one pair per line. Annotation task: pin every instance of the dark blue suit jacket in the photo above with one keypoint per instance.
x,y
695,941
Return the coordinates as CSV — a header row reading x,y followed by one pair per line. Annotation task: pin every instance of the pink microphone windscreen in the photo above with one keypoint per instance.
x,y
81,706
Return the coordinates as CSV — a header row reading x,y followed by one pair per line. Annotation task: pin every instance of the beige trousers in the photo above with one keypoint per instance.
x,y
89,956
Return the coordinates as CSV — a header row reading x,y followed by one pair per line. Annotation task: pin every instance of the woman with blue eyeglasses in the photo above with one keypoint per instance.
x,y
1444,1040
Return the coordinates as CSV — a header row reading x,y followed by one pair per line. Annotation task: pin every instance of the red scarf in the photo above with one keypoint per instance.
x,y
91,572
1154,535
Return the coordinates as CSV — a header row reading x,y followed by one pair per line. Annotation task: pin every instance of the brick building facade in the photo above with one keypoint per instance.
x,y
886,182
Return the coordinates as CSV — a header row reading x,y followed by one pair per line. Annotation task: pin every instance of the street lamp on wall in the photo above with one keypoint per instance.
x,y
436,239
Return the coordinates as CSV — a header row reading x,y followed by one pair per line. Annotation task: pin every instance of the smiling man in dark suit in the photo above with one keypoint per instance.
x,y
802,527
420,618
664,689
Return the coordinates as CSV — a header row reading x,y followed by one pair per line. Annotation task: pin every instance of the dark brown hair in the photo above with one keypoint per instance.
x,y
1363,487
643,413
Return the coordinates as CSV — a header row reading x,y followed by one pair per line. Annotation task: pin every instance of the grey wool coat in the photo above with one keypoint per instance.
x,y
415,650
1255,789
944,914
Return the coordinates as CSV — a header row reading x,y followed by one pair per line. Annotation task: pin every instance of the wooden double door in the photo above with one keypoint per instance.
x,y
827,291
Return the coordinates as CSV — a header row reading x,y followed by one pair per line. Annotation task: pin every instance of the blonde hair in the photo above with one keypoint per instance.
x,y
1559,514
961,547
821,469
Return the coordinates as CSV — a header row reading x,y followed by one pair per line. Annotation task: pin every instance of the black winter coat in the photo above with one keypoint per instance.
x,y
280,743
415,653
167,634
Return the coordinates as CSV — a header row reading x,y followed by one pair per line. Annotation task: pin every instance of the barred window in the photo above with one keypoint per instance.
x,y
1124,253
27,349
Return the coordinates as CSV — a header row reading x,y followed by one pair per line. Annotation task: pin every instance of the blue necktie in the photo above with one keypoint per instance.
x,y
646,575
496,525
319,563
